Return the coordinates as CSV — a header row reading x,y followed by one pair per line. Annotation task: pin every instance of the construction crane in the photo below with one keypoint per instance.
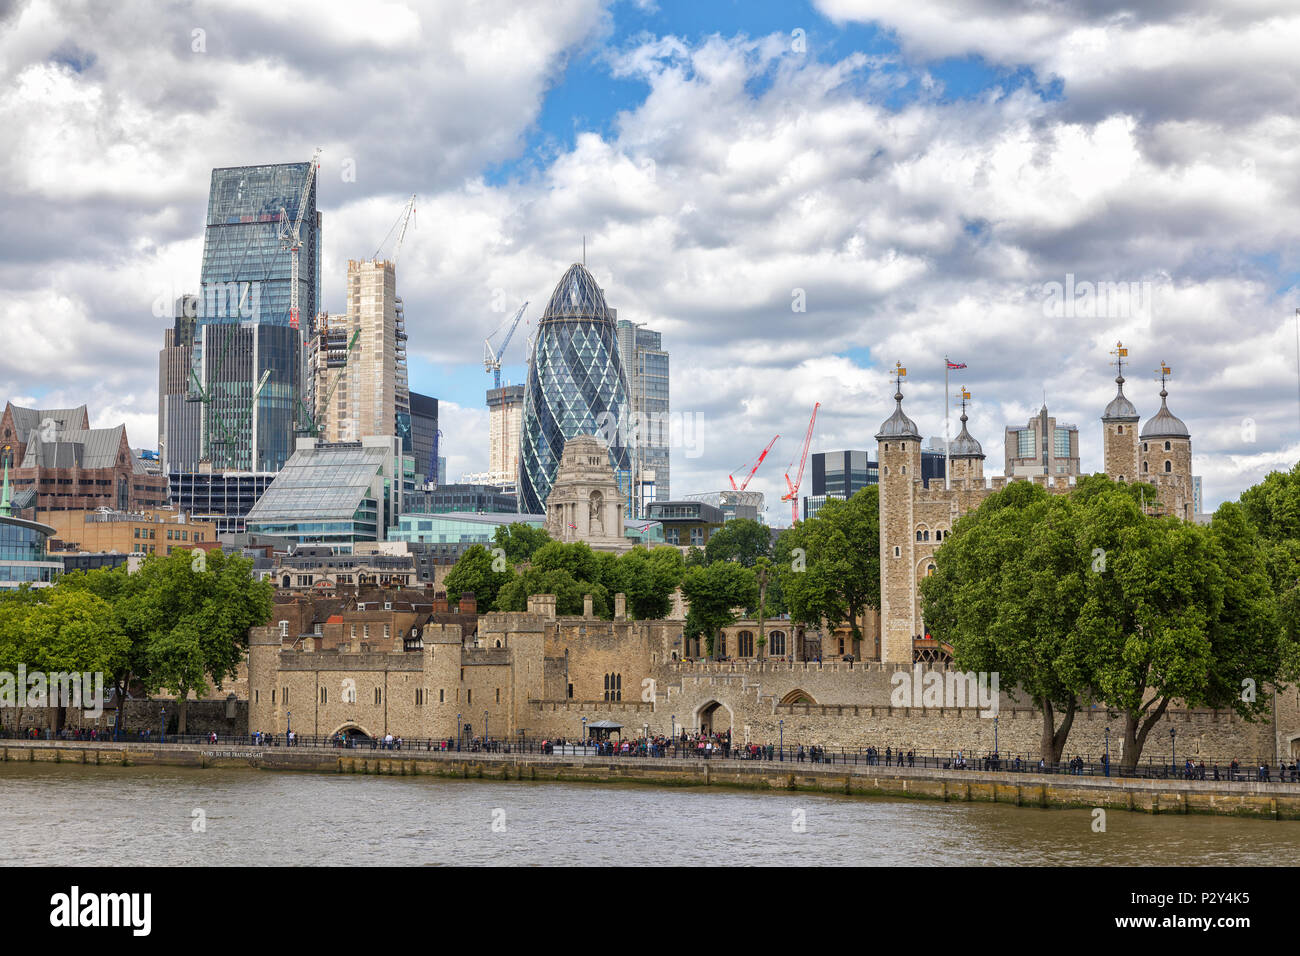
x,y
291,237
402,220
744,484
793,495
492,357
310,425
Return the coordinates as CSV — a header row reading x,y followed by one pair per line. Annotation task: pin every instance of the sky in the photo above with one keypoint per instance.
x,y
797,195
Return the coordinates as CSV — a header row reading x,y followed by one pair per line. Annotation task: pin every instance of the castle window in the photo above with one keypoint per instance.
x,y
1144,446
927,536
419,697
1144,467
886,446
886,471
918,536
323,695
897,551
498,695
904,469
929,570
1119,430
1167,446
570,692
442,695
469,697
745,641
776,642
379,696
613,687
1169,466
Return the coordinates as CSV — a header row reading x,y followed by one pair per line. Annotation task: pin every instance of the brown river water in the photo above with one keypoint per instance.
x,y
53,814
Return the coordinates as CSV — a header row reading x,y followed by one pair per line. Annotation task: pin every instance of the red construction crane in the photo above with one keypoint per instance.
x,y
745,483
793,495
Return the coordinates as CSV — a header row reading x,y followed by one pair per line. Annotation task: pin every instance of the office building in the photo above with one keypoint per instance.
x,y
335,493
1042,447
422,442
490,499
157,532
576,386
686,524
59,463
646,364
179,417
220,498
505,419
244,327
25,557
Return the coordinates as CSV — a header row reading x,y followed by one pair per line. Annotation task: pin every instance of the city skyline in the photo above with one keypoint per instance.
x,y
917,193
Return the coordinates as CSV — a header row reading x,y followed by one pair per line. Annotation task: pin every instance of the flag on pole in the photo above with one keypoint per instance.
x,y
956,364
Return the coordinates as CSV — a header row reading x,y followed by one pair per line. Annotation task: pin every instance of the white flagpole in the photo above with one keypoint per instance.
x,y
947,438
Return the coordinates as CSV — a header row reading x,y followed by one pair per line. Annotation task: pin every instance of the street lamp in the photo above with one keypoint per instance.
x,y
674,733
781,725
288,726
584,731
162,725
485,733
1173,743
458,733
995,738
1108,751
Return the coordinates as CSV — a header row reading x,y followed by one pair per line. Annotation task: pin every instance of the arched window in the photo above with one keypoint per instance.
x,y
1169,466
1144,467
1167,446
929,570
927,536
918,536
1119,430
776,643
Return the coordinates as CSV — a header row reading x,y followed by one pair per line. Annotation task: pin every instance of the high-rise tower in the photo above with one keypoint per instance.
x,y
646,363
576,386
243,327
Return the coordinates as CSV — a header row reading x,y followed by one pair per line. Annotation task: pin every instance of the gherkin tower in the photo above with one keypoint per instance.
x,y
576,386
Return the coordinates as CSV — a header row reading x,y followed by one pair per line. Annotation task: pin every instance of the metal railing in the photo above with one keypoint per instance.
x,y
689,748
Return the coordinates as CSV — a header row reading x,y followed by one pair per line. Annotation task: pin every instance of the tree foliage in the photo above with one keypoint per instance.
x,y
519,541
475,573
741,539
714,593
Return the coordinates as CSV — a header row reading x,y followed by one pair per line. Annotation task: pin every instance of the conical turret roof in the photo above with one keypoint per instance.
x,y
1120,408
577,296
1164,423
964,445
898,425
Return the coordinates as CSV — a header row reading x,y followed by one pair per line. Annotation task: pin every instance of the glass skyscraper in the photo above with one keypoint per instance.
x,y
243,321
576,386
646,365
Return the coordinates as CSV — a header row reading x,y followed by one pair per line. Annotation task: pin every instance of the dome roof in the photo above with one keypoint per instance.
x,y
1120,408
1165,424
898,425
577,296
964,446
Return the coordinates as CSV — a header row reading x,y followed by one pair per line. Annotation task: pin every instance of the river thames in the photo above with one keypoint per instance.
x,y
72,815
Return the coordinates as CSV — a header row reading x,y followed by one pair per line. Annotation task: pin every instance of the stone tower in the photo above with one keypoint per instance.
x,y
965,453
1119,429
898,451
584,503
1167,456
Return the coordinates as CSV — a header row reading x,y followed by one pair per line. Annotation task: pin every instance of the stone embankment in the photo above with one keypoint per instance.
x,y
1269,801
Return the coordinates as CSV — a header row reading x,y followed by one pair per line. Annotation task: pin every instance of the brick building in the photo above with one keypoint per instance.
x,y
60,463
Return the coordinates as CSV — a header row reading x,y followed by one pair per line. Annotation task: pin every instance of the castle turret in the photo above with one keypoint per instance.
x,y
1167,456
965,453
898,452
1119,428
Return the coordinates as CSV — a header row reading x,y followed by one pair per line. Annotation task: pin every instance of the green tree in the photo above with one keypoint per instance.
x,y
576,557
1005,592
695,557
741,539
475,573
520,541
714,594
569,592
194,614
648,579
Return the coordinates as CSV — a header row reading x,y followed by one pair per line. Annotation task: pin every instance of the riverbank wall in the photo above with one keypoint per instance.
x,y
1267,801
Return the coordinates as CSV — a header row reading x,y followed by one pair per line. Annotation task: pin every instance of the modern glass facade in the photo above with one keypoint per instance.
x,y
244,321
223,498
646,364
423,431
24,555
576,386
841,474
333,493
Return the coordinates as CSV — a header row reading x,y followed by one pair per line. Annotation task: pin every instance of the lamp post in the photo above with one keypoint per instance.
x,y
1108,751
162,725
1173,744
995,738
584,731
781,726
674,733
458,733
647,739
485,733
288,726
